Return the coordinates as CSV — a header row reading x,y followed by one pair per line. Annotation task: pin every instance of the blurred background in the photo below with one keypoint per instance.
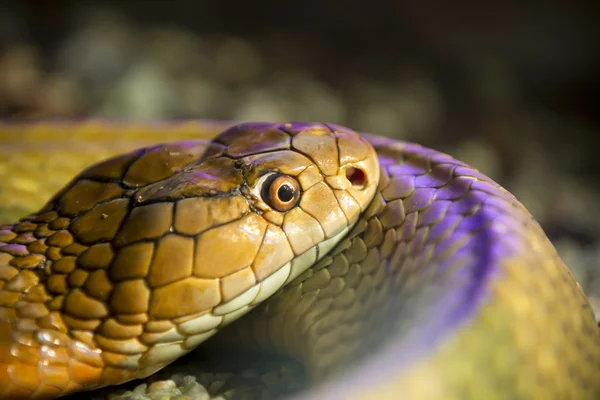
x,y
512,90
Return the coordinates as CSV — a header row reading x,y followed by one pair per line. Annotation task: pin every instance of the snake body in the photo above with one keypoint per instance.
x,y
388,270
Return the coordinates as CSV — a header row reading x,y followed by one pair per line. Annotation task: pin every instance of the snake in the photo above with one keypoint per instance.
x,y
382,268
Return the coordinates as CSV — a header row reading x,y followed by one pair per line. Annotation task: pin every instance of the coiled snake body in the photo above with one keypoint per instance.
x,y
388,270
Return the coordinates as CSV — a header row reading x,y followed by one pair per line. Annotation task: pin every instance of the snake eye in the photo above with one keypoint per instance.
x,y
281,192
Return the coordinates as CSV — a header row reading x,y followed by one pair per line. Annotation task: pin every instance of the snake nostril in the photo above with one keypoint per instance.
x,y
357,177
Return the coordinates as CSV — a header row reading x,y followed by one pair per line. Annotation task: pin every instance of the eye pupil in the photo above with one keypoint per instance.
x,y
281,192
285,192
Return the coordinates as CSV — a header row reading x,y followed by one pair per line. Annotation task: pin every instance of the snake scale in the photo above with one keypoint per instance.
x,y
387,270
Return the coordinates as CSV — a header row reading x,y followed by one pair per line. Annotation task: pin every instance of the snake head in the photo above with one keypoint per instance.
x,y
263,194
307,184
263,203
181,239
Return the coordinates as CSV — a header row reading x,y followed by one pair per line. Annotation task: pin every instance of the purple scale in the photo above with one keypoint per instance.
x,y
408,168
444,228
407,230
500,204
385,161
400,187
14,249
468,204
487,187
419,200
440,175
492,213
434,213
455,189
475,222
